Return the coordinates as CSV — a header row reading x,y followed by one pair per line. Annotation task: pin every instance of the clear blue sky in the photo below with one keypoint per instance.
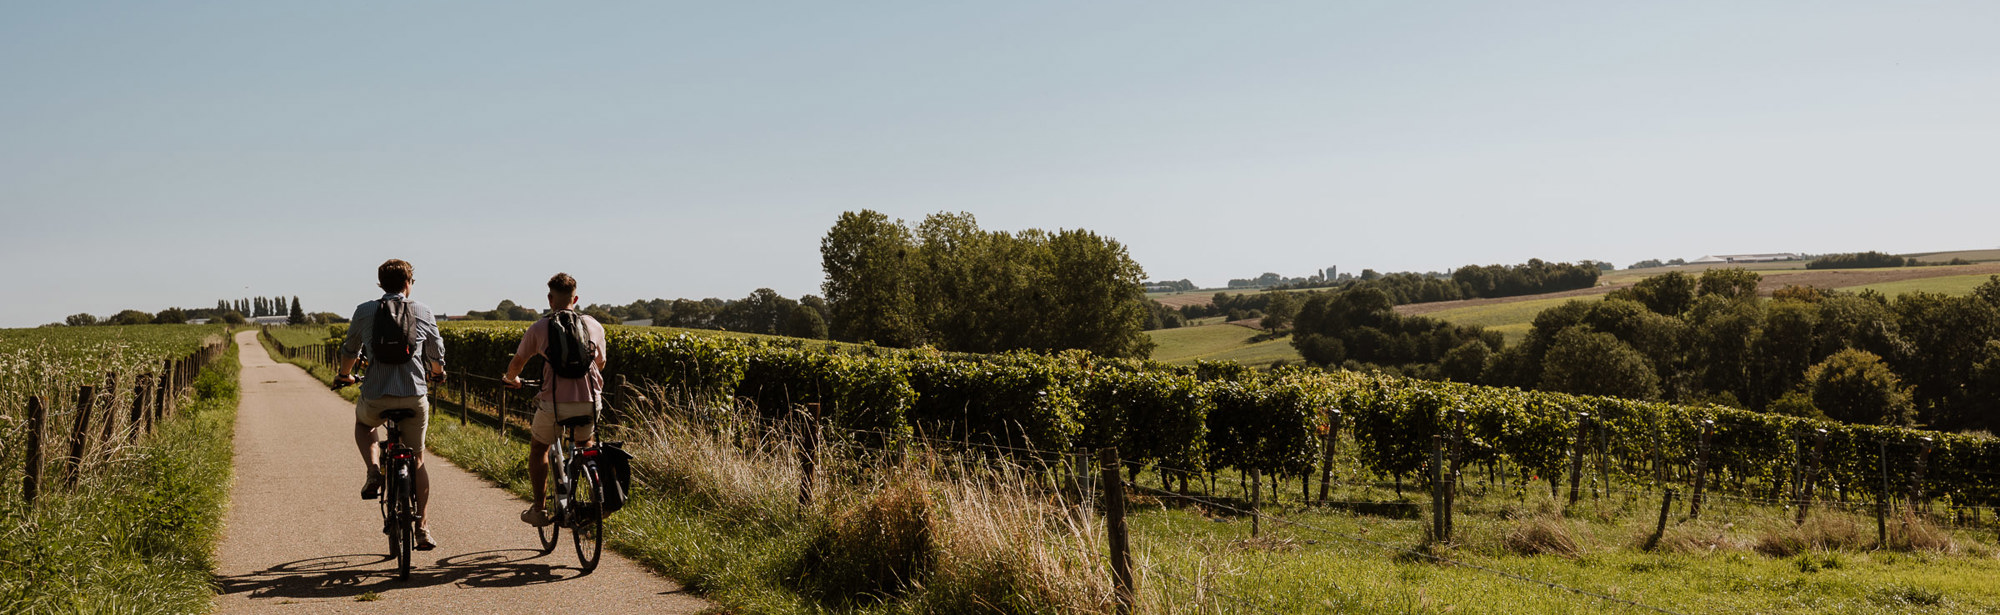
x,y
159,154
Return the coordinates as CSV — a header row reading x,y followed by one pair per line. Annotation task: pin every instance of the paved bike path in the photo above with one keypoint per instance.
x,y
300,540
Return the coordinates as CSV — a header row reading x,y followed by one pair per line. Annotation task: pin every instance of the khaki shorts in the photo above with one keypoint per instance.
x,y
369,412
544,427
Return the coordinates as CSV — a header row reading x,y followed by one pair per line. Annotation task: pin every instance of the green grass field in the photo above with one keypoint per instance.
x,y
1219,342
1950,285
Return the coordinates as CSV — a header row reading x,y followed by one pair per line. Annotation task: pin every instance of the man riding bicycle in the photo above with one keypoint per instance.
x,y
405,354
572,349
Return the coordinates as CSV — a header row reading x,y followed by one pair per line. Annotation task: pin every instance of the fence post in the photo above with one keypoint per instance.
x,y
1666,508
32,483
1114,526
110,407
1700,471
1327,450
159,384
808,452
1576,456
1812,474
169,388
1882,497
86,398
137,420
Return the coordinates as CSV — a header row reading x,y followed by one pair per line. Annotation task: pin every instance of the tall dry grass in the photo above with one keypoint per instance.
x,y
899,525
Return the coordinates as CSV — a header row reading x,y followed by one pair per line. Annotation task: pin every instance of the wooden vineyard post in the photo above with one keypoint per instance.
x,y
1700,471
110,408
32,483
1327,450
1576,456
1256,502
1882,496
86,398
1919,499
1439,506
1456,457
457,392
1812,473
1666,508
808,452
1114,528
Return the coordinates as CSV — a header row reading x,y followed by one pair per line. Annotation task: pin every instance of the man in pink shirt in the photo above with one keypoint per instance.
x,y
561,397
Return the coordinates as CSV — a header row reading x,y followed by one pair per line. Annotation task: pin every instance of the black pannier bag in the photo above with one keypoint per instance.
x,y
614,472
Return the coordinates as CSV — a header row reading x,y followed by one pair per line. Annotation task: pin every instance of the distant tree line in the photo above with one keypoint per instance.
x,y
1654,262
764,311
232,311
1181,285
1917,359
1359,329
949,284
1859,260
1469,282
1864,358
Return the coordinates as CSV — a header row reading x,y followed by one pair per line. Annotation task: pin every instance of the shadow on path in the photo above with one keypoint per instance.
x,y
343,576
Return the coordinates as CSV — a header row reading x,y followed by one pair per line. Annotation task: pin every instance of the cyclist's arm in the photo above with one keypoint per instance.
x,y
530,346
350,346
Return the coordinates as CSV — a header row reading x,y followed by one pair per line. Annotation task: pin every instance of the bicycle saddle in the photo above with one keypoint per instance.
x,y
577,421
398,414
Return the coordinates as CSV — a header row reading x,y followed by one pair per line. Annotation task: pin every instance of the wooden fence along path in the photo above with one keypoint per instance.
x,y
94,425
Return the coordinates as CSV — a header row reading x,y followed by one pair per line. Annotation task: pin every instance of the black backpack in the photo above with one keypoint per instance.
x,y
568,351
389,341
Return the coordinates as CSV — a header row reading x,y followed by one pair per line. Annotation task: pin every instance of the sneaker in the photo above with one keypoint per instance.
x,y
425,541
535,516
373,488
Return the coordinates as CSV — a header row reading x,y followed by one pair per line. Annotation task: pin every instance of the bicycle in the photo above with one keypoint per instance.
x,y
399,497
575,491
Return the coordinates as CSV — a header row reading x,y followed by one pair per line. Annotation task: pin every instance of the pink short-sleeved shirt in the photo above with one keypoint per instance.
x,y
589,388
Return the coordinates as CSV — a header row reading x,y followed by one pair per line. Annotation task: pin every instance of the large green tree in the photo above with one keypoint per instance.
x,y
869,280
1855,386
1587,362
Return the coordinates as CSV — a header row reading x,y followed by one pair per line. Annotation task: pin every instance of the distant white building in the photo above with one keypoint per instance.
x,y
643,322
1746,258
270,320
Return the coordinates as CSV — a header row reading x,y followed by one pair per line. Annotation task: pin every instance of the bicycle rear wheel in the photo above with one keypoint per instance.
x,y
405,519
587,515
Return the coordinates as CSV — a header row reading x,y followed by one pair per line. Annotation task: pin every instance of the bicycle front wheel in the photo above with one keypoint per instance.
x,y
551,532
587,514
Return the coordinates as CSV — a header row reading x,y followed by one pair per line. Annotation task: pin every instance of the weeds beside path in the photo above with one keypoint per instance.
x,y
137,536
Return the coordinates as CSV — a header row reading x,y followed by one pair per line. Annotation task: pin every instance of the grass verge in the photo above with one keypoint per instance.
x,y
138,535
716,506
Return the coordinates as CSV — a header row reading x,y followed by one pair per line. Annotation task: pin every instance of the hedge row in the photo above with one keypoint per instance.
x,y
1216,416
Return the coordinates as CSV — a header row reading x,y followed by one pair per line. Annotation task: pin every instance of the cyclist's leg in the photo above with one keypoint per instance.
x,y
367,422
541,433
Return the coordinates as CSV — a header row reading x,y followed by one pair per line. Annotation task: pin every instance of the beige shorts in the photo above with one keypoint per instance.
x,y
369,412
544,427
